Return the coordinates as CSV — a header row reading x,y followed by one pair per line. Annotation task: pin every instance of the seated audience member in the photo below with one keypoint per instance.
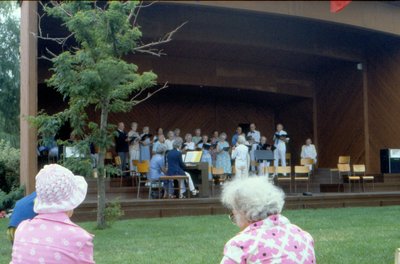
x,y
239,132
160,141
189,144
266,236
23,210
197,136
170,140
177,167
206,157
242,159
223,159
308,151
51,237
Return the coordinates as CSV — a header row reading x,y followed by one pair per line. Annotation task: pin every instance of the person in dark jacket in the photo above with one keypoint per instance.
x,y
121,144
177,167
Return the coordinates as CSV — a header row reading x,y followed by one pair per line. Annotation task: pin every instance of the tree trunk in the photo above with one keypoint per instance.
x,y
101,188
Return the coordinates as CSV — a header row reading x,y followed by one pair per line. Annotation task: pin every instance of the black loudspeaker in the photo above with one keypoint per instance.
x,y
390,160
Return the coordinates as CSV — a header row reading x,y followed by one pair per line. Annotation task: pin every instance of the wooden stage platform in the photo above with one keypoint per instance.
x,y
386,192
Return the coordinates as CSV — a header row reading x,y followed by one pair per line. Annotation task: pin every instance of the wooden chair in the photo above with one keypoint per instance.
x,y
217,172
359,169
233,170
270,170
309,163
343,170
171,178
288,159
254,164
280,171
108,159
143,168
117,163
301,173
341,160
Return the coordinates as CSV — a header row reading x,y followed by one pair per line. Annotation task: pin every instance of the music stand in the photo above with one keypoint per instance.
x,y
267,155
263,155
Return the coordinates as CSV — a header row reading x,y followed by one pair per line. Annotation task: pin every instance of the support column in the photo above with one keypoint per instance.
x,y
28,101
365,113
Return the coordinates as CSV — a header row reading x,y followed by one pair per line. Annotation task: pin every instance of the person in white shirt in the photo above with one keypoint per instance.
x,y
189,144
308,151
254,133
170,140
242,159
280,141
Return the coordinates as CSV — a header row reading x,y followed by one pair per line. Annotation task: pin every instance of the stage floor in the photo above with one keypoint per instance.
x,y
150,208
327,192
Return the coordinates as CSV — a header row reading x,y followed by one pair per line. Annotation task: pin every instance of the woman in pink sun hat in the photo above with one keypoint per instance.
x,y
51,237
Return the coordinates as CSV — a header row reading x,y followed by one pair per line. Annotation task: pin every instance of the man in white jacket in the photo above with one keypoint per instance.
x,y
280,140
242,159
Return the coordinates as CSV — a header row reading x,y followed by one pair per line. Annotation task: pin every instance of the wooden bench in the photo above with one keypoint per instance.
x,y
173,177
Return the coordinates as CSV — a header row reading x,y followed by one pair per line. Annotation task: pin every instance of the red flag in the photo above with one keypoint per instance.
x,y
337,6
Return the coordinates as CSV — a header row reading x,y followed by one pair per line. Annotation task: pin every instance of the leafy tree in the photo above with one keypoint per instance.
x,y
9,72
93,74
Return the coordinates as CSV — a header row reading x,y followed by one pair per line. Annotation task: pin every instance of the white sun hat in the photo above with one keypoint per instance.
x,y
58,190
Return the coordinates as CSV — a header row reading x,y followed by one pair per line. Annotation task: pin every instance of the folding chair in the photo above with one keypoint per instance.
x,y
288,159
143,168
280,171
304,172
309,163
341,160
359,169
216,173
344,170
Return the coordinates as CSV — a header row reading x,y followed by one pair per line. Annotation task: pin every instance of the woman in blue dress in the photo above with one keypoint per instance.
x,y
223,157
145,145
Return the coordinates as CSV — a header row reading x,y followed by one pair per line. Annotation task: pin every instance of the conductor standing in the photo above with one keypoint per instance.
x,y
280,140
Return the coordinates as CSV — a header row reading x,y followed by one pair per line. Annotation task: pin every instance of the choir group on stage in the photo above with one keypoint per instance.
x,y
218,152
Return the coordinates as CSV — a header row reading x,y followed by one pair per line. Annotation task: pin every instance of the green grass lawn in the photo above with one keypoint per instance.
x,y
345,235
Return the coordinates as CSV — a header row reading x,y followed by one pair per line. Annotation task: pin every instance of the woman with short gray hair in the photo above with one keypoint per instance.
x,y
266,236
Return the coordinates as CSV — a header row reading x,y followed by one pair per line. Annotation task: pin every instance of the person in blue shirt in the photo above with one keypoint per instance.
x,y
157,163
23,210
206,157
236,135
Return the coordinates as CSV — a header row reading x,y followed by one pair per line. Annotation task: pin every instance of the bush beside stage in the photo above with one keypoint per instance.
x,y
345,235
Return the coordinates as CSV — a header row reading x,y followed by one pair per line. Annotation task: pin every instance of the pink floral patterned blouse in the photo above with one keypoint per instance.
x,y
272,240
52,238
